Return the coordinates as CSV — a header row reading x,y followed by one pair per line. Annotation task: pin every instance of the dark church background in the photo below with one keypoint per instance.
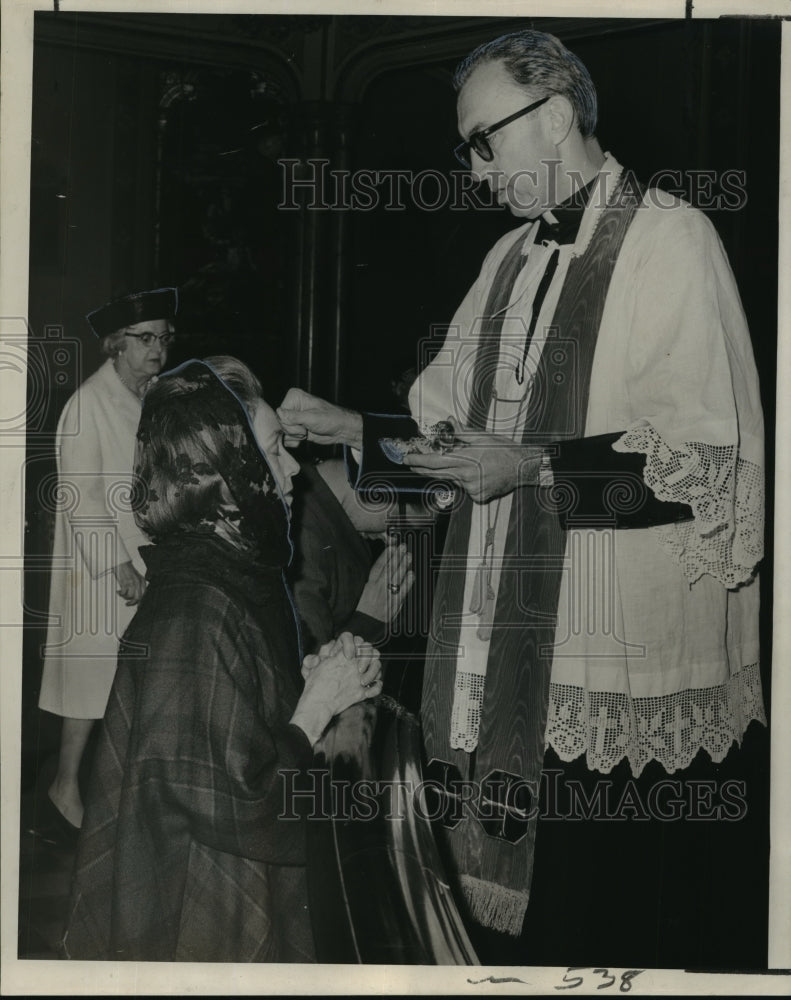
x,y
156,149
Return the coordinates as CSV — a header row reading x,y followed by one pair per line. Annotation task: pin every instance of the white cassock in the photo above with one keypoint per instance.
x,y
656,647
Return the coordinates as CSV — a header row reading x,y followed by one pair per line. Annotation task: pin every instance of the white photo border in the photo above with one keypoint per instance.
x,y
30,977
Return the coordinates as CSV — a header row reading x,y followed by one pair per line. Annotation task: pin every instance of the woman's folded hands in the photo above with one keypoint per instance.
x,y
345,671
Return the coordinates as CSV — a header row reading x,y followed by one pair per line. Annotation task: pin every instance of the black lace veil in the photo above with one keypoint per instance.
x,y
199,468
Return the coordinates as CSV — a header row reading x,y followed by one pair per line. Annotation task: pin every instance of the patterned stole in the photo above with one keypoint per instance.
x,y
489,805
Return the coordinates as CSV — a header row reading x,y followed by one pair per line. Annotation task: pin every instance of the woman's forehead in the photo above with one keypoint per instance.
x,y
266,418
149,326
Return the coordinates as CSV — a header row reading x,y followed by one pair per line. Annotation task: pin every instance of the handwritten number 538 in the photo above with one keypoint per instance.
x,y
575,981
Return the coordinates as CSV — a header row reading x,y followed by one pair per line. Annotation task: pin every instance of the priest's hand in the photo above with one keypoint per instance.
x,y
485,465
306,417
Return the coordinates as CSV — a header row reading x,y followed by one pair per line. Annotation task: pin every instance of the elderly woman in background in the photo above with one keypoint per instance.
x,y
97,574
187,852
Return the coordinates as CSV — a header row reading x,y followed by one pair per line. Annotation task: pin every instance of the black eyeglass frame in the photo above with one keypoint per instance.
x,y
166,339
477,140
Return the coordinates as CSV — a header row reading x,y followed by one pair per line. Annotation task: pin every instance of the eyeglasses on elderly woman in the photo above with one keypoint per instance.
x,y
148,338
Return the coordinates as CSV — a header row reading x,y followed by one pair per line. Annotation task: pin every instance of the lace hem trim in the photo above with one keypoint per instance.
x,y
725,492
607,726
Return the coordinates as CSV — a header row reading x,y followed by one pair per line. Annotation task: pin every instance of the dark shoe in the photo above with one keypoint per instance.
x,y
50,825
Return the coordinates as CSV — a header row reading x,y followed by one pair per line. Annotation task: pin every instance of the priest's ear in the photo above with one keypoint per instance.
x,y
561,117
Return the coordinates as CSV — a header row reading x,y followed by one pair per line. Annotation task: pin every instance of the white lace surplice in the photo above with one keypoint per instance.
x,y
656,652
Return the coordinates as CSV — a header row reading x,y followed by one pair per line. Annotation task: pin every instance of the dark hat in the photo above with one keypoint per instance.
x,y
161,303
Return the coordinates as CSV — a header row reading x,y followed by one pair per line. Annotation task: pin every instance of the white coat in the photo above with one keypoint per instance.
x,y
95,531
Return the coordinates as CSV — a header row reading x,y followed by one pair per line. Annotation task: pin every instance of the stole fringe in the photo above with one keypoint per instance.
x,y
494,905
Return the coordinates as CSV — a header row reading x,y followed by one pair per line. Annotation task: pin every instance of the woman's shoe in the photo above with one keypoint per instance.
x,y
51,825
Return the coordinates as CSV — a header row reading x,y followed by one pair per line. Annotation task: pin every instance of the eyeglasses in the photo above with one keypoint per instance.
x,y
478,141
147,339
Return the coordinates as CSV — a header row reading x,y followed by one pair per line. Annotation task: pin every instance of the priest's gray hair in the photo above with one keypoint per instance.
x,y
541,64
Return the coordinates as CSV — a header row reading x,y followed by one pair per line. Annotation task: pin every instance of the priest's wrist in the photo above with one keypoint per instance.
x,y
352,431
533,468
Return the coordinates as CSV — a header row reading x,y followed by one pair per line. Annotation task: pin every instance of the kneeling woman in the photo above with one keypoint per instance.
x,y
183,854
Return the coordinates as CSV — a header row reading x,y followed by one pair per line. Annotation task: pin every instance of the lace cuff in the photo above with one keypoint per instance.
x,y
726,494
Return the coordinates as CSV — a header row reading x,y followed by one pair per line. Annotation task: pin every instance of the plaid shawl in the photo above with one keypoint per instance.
x,y
182,855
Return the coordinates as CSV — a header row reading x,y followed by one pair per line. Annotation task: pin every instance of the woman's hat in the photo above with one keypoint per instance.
x,y
161,303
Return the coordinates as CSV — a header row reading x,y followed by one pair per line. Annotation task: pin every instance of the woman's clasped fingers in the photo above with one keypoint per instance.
x,y
309,664
328,649
373,688
369,665
347,643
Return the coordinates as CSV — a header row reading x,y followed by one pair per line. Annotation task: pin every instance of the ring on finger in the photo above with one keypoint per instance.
x,y
394,587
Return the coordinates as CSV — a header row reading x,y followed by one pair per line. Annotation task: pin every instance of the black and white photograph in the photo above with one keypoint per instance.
x,y
394,538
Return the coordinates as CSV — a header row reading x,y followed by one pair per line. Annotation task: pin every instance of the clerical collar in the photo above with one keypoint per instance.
x,y
561,224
